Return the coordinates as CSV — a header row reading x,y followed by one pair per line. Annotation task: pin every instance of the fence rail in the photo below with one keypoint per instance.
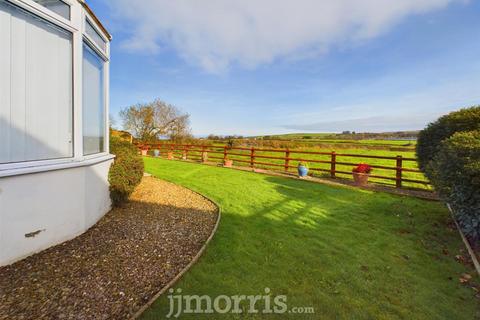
x,y
280,159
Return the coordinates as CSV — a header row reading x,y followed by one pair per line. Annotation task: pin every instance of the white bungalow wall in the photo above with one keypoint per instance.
x,y
50,191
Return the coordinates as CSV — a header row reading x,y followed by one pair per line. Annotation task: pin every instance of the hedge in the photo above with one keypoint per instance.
x,y
429,139
455,173
126,172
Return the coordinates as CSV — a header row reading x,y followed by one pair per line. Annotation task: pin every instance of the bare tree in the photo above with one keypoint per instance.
x,y
150,121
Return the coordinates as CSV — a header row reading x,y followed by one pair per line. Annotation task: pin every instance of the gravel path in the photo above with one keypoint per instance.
x,y
114,268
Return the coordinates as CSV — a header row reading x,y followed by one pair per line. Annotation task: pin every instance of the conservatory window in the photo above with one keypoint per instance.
x,y
93,34
35,88
93,102
57,6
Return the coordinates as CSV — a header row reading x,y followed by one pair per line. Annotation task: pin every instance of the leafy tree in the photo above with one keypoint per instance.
x,y
150,121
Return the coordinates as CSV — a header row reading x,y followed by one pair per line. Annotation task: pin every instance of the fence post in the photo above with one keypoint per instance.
x,y
252,157
333,164
287,159
399,172
224,153
204,154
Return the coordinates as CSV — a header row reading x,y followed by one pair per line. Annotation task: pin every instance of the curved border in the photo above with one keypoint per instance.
x,y
472,254
190,264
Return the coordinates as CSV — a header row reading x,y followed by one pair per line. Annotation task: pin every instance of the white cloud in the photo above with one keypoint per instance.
x,y
216,33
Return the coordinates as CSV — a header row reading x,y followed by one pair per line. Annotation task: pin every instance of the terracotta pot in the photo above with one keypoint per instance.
x,y
170,155
361,179
228,163
144,152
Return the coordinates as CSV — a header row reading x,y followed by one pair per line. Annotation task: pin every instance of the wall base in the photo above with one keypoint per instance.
x,y
39,210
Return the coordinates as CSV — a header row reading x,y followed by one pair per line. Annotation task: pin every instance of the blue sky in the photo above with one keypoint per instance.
x,y
250,67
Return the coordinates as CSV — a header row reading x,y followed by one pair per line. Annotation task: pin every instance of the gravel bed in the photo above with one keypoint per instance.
x,y
114,268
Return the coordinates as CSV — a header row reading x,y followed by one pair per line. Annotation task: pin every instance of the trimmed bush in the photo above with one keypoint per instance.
x,y
429,139
455,172
126,172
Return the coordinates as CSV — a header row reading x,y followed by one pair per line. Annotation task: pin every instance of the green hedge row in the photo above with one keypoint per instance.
x,y
429,139
449,154
126,172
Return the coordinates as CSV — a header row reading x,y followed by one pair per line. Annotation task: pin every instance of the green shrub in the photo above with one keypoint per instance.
x,y
455,172
429,139
126,172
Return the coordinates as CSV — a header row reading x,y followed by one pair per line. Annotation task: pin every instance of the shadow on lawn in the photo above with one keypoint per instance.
x,y
348,253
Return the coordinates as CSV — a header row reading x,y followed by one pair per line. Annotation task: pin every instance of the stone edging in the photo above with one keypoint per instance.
x,y
191,264
472,254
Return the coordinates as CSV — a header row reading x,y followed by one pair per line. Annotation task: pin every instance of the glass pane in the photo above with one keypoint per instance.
x,y
57,6
93,102
90,30
35,88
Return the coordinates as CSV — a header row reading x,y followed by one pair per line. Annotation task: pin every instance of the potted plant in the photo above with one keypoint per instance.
x,y
361,174
302,169
144,150
170,155
227,162
156,153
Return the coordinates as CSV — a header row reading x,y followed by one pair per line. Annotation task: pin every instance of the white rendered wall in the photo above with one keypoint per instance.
x,y
42,209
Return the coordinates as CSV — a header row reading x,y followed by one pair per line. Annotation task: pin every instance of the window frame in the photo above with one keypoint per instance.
x,y
70,30
76,26
47,14
68,3
105,56
87,43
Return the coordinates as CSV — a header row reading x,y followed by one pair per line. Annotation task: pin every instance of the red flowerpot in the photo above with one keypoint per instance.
x,y
228,163
361,179
170,155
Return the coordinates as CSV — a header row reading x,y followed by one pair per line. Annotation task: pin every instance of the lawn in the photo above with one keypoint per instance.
x,y
348,253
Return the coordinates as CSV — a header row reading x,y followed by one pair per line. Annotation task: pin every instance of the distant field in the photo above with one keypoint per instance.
x,y
298,136
328,138
363,143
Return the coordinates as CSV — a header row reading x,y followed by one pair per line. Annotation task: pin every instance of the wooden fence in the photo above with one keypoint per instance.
x,y
330,163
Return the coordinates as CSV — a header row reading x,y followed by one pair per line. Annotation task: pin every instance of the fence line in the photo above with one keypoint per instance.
x,y
250,157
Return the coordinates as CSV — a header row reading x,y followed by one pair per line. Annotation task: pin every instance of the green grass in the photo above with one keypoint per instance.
x,y
350,254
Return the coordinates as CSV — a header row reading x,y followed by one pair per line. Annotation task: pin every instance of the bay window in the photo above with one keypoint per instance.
x,y
53,86
93,102
36,102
